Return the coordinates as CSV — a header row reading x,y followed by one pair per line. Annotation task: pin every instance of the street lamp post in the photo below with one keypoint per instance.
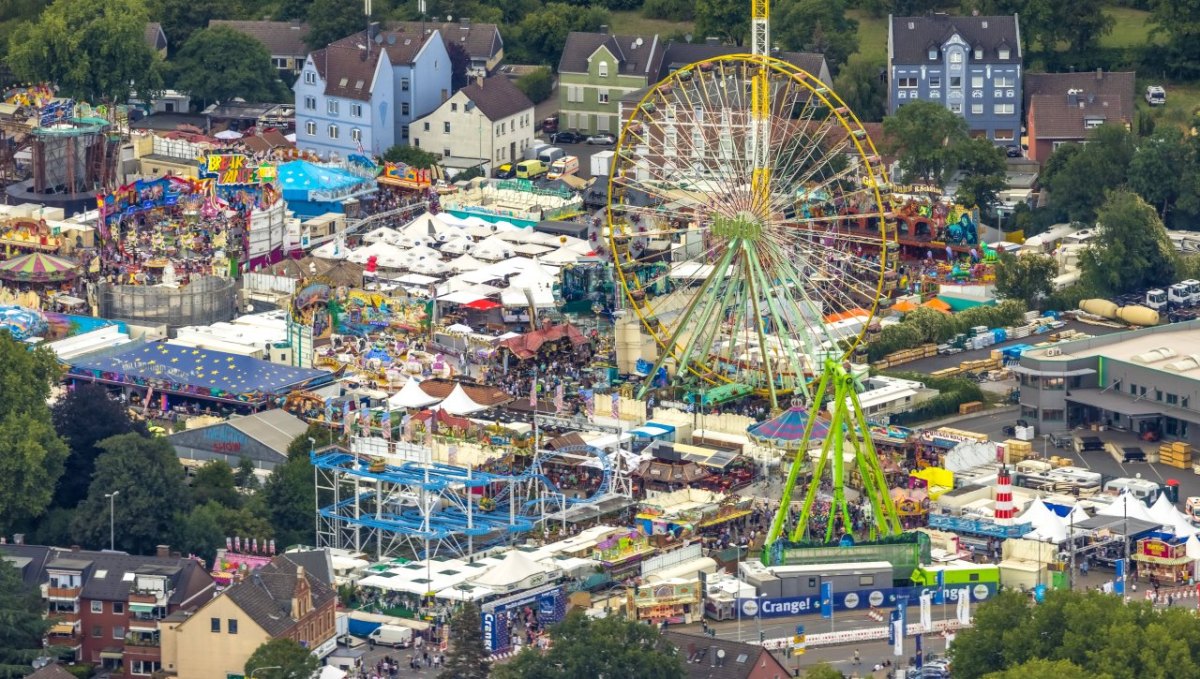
x,y
112,534
260,669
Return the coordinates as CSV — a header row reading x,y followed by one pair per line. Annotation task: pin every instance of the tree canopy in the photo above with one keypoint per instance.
x,y
181,19
467,658
924,134
21,610
321,435
93,50
214,482
219,63
282,659
728,20
150,481
541,35
538,84
290,498
817,26
612,647
1078,181
31,453
984,172
411,156
1099,634
84,417
1131,250
1027,278
860,84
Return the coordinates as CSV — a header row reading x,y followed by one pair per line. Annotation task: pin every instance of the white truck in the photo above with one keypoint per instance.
x,y
1179,295
601,163
1193,287
1156,299
392,635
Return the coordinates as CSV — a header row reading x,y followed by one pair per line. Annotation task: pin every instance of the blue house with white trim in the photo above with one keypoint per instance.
x,y
970,64
367,88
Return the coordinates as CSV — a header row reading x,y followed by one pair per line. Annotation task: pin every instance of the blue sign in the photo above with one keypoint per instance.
x,y
958,524
1119,585
902,607
550,601
826,599
855,600
939,596
1039,593
799,630
893,618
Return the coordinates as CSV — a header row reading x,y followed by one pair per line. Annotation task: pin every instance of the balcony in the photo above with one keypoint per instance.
x,y
146,598
64,593
140,641
67,617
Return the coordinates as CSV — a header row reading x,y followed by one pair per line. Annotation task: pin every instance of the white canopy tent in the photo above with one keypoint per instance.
x,y
465,263
1127,505
411,396
512,572
493,249
458,245
1164,512
458,403
384,233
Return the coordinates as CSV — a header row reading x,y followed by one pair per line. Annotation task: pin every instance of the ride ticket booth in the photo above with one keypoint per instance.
x,y
1163,556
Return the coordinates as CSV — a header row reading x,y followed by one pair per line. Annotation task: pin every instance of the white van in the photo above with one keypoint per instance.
x,y
550,154
1156,95
392,635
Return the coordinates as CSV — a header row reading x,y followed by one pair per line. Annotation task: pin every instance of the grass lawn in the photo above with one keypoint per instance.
x,y
1182,99
1131,27
633,23
872,37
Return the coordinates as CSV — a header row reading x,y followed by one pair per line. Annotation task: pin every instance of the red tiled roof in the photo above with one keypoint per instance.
x,y
443,419
527,345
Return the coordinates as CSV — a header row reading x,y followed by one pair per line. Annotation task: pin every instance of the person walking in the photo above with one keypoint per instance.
x,y
857,658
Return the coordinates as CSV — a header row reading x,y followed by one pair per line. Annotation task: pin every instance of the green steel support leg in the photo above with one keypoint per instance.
x,y
810,495
793,473
887,518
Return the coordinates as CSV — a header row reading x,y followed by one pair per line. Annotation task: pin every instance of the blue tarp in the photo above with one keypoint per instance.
x,y
299,177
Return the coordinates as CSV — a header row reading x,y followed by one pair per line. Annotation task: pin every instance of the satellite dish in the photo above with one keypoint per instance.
x,y
639,42
379,39
449,18
688,37
720,653
391,39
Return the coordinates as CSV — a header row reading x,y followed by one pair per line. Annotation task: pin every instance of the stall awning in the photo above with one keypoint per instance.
x,y
648,431
62,628
141,608
111,654
461,297
482,305
1078,372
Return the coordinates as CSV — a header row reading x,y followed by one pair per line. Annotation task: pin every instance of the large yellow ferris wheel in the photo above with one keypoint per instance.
x,y
748,229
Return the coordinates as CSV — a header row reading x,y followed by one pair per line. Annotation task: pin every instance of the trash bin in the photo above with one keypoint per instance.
x,y
1172,490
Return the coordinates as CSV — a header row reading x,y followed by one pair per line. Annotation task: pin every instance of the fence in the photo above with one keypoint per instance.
x,y
204,301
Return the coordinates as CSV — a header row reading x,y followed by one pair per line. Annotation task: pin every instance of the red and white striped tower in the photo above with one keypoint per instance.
x,y
1004,496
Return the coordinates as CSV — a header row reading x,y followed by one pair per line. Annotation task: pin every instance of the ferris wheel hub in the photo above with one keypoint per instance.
x,y
742,226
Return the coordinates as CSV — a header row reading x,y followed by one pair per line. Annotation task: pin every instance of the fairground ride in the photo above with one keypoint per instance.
x,y
731,193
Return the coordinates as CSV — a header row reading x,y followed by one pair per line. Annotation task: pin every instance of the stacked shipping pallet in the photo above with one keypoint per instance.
x,y
1177,454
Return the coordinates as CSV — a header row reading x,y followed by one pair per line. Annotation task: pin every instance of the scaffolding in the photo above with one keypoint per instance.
x,y
402,503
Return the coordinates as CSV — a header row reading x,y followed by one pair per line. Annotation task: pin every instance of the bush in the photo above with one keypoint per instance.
x,y
537,85
81,670
669,10
925,325
953,392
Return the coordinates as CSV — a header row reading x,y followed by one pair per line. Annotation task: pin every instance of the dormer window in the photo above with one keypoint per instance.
x,y
978,53
602,69
1004,53
956,57
933,54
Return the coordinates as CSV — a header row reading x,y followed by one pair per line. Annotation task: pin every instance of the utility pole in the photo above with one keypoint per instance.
x,y
112,498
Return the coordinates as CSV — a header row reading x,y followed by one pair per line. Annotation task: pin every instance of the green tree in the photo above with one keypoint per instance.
x,y
669,10
817,26
540,36
282,659
290,499
1162,168
923,135
1179,21
219,63
319,436
728,20
24,624
214,482
31,453
204,529
332,20
860,84
92,49
467,657
823,671
84,417
149,481
1078,183
1046,669
244,477
1025,277
459,62
538,84
411,156
1131,250
984,170
181,19
610,647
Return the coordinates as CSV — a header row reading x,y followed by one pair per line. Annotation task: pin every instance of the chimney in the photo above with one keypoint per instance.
x,y
604,28
18,538
1072,97
373,29
710,40
1100,74
465,22
479,81
162,551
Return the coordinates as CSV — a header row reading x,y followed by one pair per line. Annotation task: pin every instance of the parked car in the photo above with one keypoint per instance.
x,y
602,139
550,125
1013,151
506,171
1156,95
566,137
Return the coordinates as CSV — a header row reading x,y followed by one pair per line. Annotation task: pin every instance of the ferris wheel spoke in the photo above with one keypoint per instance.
x,y
782,327
789,278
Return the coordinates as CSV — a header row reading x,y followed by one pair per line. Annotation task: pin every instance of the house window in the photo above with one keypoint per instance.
x,y
1003,109
907,82
1092,123
955,107
1172,399
310,128
215,625
97,631
232,625
453,107
976,109
602,70
1009,135
1052,414
404,108
933,54
310,78
445,153
978,53
976,81
404,84
956,57
97,606
446,127
118,632
404,131
333,131
602,96
118,607
310,103
331,107
955,81
935,81
356,134
1004,53
1006,81
356,110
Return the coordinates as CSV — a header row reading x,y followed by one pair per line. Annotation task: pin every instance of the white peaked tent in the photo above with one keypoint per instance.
x,y
465,263
429,266
458,245
384,233
450,220
458,403
1193,547
513,570
1172,519
493,249
411,396
1077,516
1047,526
1128,505
562,256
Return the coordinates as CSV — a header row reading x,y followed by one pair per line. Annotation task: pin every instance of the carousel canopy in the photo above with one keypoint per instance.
x,y
38,268
787,428
411,396
458,403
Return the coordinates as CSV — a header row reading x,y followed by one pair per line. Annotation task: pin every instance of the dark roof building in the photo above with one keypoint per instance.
x,y
1065,107
155,38
50,671
707,657
262,438
348,65
482,42
680,54
268,594
997,38
281,38
497,97
642,59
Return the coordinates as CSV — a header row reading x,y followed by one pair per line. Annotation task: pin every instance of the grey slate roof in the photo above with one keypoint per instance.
x,y
348,74
497,97
154,36
104,572
644,60
275,429
680,54
701,661
316,562
481,41
281,38
911,45
266,594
